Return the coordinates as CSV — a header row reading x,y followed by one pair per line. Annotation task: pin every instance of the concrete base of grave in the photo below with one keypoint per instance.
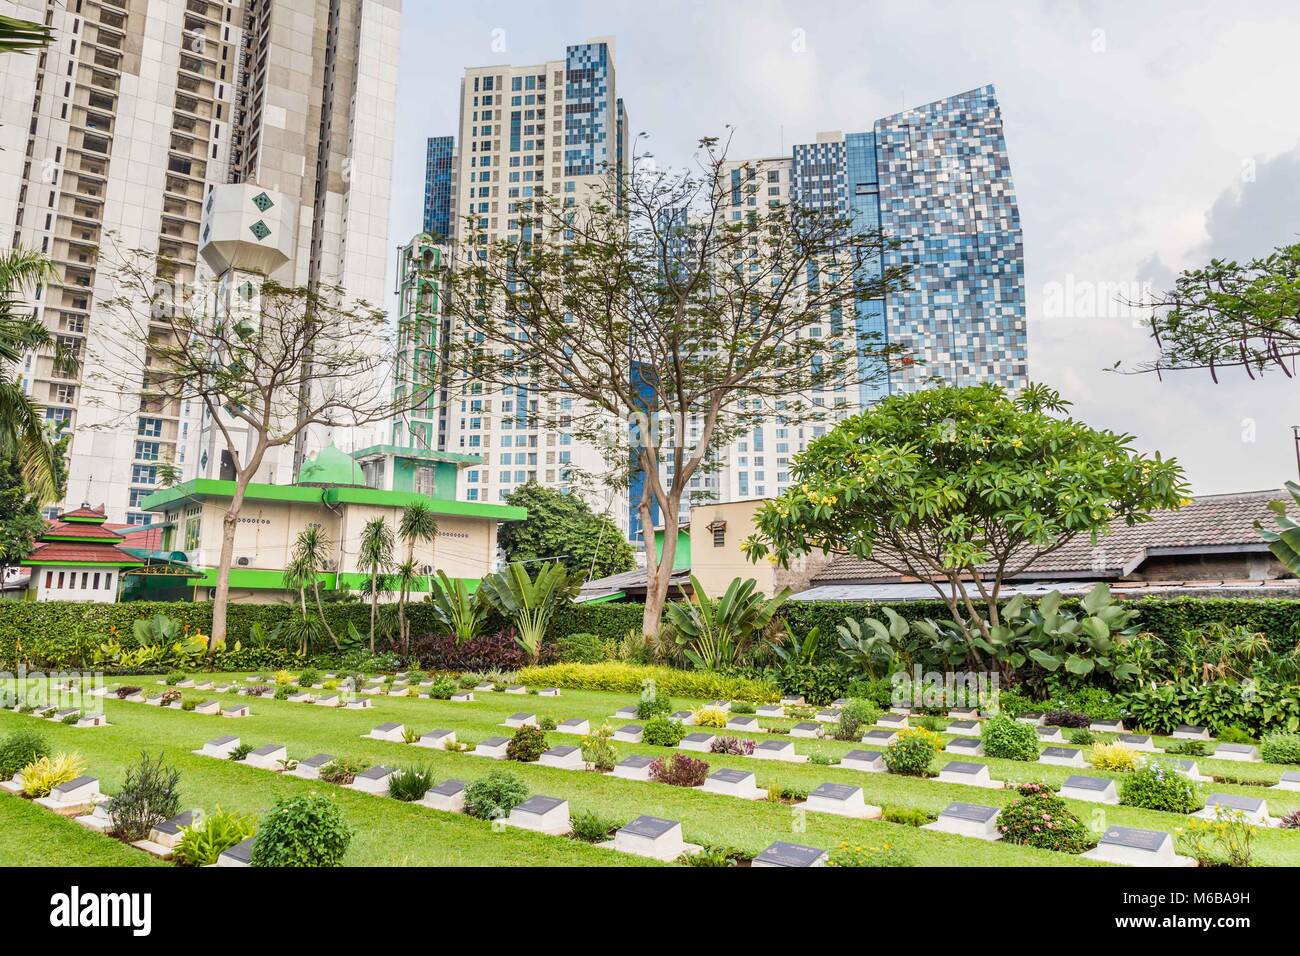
x,y
437,801
1127,856
154,849
76,809
966,828
646,848
864,812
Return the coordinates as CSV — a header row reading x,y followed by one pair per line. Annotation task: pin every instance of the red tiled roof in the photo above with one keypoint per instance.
x,y
80,530
85,512
48,551
149,539
1207,523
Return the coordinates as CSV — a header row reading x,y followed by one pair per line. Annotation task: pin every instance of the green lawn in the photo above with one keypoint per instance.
x,y
391,833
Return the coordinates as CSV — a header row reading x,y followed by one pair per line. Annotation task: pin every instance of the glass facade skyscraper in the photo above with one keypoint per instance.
x,y
438,161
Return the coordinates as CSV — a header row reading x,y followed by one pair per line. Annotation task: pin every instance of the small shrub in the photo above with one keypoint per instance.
x,y
150,795
416,676
597,751
859,854
653,705
1233,734
907,816
240,752
1290,821
283,691
710,717
546,723
1158,787
1081,737
912,753
1113,757
216,833
526,745
679,770
19,749
709,856
928,722
1188,748
189,705
70,719
590,827
442,688
820,759
342,770
662,732
1009,739
744,707
1227,840
410,784
1041,819
45,773
283,678
1065,718
125,692
302,831
309,677
494,795
627,678
174,678
170,697
735,746
1280,748
855,717
581,649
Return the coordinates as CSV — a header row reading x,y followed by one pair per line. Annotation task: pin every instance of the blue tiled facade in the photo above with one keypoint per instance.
x,y
937,179
591,134
437,186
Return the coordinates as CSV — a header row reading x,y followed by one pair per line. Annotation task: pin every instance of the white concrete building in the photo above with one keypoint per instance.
x,y
125,123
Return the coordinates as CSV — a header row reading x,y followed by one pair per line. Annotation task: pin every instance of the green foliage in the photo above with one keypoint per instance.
x,y
20,748
529,602
1284,542
1227,840
597,750
590,827
563,526
45,773
1041,819
743,707
716,634
307,830
1159,787
661,731
493,796
652,703
1082,737
1280,748
955,479
855,717
630,678
309,677
1188,748
216,833
679,770
457,612
907,816
1256,708
859,854
342,770
1114,757
410,784
442,688
582,648
714,717
527,744
240,752
150,795
1009,739
912,753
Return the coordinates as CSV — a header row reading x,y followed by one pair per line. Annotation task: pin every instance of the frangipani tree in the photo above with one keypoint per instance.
x,y
963,488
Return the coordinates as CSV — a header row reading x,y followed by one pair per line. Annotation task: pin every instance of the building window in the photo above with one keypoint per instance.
x,y
150,427
147,450
424,481
719,529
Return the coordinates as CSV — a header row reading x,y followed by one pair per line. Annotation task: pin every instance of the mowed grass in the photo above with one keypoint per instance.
x,y
390,833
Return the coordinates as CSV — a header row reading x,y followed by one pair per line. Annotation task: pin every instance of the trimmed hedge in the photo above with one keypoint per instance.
x,y
627,679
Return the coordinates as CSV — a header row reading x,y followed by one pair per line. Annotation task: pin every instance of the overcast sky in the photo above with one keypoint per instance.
x,y
1144,138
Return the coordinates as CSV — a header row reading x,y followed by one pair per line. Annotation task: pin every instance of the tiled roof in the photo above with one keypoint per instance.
x,y
49,551
1209,523
80,530
85,511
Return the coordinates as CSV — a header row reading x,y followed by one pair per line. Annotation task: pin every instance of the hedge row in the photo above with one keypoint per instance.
x,y
37,633
629,678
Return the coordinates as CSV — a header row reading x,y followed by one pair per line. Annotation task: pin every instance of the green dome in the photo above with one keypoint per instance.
x,y
331,467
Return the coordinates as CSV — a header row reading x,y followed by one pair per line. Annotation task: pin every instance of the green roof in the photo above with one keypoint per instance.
x,y
201,489
331,467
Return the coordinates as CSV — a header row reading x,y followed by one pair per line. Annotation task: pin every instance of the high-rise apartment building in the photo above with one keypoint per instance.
x,y
554,128
123,126
439,171
937,179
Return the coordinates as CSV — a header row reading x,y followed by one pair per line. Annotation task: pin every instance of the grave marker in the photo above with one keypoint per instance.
x,y
733,783
629,733
701,742
790,855
1091,789
651,837
805,729
493,747
970,746
574,725
563,758
436,739
391,731
1241,752
868,761
1062,757
1132,847
636,767
373,780
542,815
310,768
968,819
840,799
778,750
970,774
448,795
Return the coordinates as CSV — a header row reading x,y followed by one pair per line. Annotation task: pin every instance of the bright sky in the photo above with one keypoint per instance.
x,y
1144,139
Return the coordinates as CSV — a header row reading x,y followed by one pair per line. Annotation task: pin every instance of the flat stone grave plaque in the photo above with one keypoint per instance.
x,y
892,720
1107,726
790,854
549,692
388,731
241,854
1137,742
968,819
1133,847
436,739
792,701
626,713
494,747
963,728
1033,717
722,705
827,716
651,837
733,783
1052,734
1253,809
76,792
970,774
1241,752
574,725
448,795
563,758
1188,769
235,710
683,717
869,761
516,689
267,757
541,814
373,780
806,729
208,707
168,833
771,710
636,767
963,713
310,768
777,750
219,747
840,799
629,733
879,737
327,700
1290,780
1091,789
521,719
485,687
699,741
970,746
1062,756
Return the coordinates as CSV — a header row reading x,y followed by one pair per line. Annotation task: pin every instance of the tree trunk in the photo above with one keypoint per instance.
x,y
374,606
229,524
659,570
320,609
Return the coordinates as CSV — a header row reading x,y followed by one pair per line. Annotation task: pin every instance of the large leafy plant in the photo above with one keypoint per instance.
x,y
715,634
459,611
529,602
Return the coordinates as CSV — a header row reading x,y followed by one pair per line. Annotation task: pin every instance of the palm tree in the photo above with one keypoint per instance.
x,y
23,36
375,556
312,549
418,525
22,425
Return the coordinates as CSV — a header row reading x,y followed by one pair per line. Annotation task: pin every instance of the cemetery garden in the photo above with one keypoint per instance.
x,y
306,767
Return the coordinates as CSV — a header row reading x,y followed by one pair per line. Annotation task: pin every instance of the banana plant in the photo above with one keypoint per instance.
x,y
529,603
463,614
801,650
1284,542
717,634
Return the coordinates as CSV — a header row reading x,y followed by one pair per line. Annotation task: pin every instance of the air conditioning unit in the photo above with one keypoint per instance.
x,y
327,564
244,561
426,569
